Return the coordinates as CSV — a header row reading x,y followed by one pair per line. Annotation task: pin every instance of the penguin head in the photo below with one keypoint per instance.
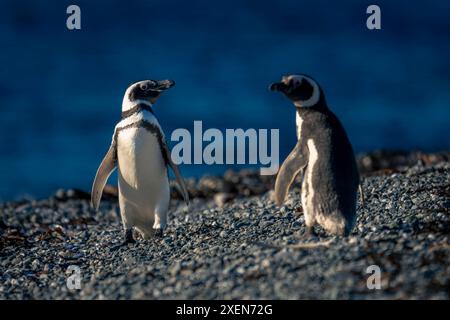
x,y
301,89
146,90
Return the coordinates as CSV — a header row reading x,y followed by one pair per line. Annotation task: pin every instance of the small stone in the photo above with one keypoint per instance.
x,y
223,234
35,264
60,194
222,198
265,263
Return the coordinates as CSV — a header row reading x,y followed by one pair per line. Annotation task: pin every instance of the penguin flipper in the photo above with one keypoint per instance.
x,y
294,163
361,194
105,169
180,180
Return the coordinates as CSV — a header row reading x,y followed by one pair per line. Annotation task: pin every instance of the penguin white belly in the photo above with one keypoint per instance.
x,y
298,122
143,182
308,187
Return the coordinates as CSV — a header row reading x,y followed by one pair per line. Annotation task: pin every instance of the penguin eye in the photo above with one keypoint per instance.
x,y
143,86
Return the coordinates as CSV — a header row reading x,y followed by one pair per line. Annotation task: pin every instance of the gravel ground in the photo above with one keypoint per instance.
x,y
237,246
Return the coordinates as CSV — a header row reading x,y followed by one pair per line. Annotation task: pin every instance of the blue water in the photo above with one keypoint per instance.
x,y
61,90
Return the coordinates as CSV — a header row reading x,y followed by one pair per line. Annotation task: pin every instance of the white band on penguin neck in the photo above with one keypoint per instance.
x,y
314,97
139,101
127,105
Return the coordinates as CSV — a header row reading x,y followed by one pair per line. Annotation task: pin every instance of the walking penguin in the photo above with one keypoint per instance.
x,y
324,155
142,157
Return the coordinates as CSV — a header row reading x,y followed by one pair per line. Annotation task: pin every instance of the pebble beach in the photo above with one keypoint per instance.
x,y
233,242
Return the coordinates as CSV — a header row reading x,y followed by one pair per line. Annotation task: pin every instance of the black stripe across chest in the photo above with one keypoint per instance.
x,y
136,109
151,128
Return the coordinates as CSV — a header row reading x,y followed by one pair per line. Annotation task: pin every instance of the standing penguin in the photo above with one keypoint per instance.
x,y
140,152
331,178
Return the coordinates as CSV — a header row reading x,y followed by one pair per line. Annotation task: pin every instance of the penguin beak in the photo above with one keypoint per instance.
x,y
165,84
278,86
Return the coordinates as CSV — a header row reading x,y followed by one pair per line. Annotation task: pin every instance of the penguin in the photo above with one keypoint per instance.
x,y
142,157
323,155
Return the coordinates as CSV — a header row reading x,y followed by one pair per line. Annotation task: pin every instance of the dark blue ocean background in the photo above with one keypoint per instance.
x,y
61,90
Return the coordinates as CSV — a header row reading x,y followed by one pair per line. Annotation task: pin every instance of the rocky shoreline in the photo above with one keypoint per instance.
x,y
234,243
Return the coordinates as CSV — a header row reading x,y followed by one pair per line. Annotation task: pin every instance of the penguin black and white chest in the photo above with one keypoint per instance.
x,y
324,155
142,157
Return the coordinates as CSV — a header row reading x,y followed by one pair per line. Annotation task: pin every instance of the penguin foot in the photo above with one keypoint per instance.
x,y
310,232
158,233
129,236
128,239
